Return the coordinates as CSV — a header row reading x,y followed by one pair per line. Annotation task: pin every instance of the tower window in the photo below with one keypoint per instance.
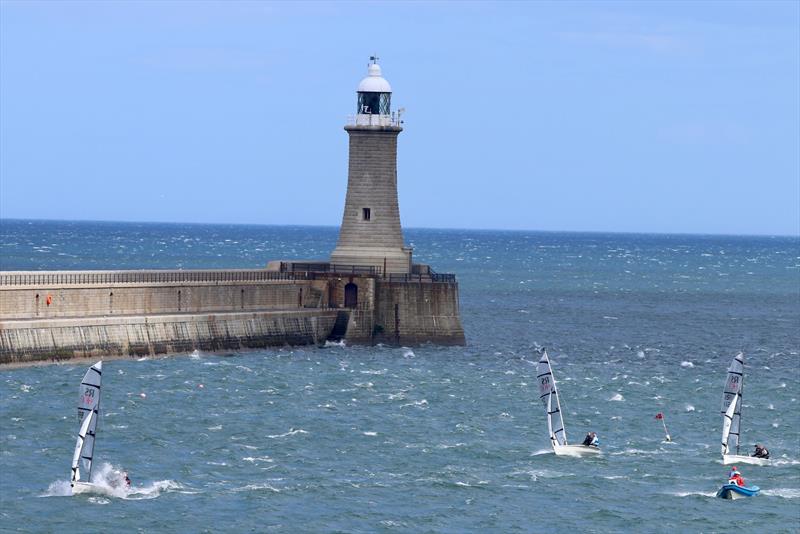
x,y
366,214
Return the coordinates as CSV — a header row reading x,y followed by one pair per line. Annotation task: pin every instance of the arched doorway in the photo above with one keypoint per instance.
x,y
350,295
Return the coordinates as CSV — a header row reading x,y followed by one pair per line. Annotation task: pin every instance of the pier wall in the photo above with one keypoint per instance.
x,y
393,309
102,293
410,313
137,336
51,315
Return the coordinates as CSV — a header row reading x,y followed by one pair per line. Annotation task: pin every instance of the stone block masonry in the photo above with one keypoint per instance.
x,y
59,315
53,315
137,336
371,233
410,313
394,309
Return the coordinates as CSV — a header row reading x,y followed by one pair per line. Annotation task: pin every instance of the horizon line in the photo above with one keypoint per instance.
x,y
446,228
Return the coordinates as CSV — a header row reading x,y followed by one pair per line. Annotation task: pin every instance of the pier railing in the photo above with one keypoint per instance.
x,y
34,278
289,271
419,273
441,278
334,268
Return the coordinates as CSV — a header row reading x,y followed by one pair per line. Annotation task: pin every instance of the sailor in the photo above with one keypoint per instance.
x,y
761,452
735,477
127,479
591,440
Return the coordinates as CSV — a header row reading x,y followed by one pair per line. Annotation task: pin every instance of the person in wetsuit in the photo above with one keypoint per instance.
x,y
761,452
591,440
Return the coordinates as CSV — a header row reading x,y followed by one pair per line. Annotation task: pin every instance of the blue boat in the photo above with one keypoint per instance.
x,y
732,491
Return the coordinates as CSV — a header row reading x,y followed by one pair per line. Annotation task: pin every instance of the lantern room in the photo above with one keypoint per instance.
x,y
374,92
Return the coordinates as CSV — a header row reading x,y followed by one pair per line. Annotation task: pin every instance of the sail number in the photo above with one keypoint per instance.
x,y
544,384
733,383
88,396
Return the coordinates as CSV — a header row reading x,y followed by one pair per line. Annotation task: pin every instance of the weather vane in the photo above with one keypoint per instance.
x,y
374,58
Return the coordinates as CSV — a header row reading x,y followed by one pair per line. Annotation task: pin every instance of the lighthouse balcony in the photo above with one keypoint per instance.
x,y
369,119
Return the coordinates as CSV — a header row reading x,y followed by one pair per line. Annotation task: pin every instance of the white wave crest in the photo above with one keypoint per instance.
x,y
291,432
689,408
633,451
786,493
536,474
617,397
109,481
253,459
418,404
687,365
692,493
256,487
59,488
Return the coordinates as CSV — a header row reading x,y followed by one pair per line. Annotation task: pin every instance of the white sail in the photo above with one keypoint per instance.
x,y
88,412
732,405
549,395
726,424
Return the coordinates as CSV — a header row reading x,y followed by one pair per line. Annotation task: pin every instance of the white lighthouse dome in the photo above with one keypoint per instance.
x,y
374,82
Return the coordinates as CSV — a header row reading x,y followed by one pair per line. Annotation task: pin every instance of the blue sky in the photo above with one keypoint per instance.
x,y
677,117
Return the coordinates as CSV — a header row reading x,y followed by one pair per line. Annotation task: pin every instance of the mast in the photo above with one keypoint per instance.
x,y
558,403
741,405
547,387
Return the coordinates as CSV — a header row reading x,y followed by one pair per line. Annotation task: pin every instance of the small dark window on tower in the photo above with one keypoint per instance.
x,y
366,215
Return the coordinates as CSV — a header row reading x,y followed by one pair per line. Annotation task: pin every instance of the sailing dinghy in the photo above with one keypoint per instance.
x,y
88,412
732,416
555,421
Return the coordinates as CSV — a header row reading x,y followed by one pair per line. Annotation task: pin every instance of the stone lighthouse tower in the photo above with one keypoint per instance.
x,y
371,235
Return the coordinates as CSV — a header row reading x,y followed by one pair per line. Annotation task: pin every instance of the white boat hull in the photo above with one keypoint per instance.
x,y
731,495
576,451
87,487
730,459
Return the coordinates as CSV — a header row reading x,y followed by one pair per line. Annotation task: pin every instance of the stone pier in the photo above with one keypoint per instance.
x,y
58,315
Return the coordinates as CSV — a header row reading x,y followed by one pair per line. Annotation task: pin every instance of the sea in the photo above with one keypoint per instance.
x,y
345,438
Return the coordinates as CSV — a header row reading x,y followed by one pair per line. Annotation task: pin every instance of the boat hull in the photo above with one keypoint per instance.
x,y
730,459
733,492
86,487
576,451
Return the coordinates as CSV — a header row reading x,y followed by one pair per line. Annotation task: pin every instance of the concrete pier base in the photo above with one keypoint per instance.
x,y
28,341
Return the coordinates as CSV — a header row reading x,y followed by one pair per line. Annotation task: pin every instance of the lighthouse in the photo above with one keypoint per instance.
x,y
371,235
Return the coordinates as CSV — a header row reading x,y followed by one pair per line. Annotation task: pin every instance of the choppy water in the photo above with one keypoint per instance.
x,y
364,439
